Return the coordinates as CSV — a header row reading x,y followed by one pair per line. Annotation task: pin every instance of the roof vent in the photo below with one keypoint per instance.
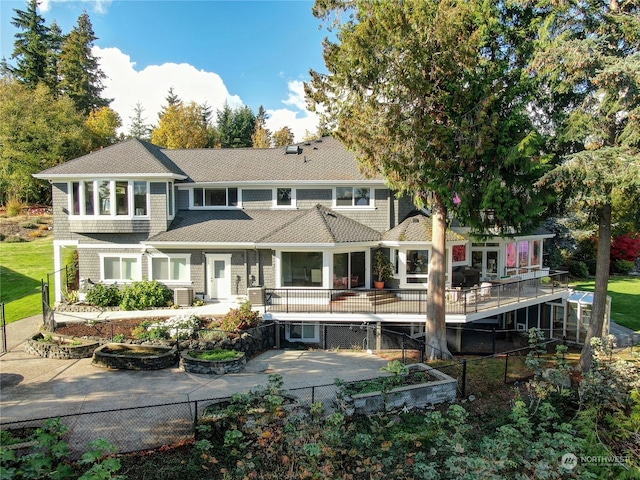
x,y
293,149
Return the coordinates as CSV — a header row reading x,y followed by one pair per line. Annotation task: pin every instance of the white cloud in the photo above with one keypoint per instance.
x,y
149,87
99,6
128,86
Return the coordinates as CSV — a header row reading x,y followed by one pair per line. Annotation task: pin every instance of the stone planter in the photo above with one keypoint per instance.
x,y
60,347
135,357
218,367
442,389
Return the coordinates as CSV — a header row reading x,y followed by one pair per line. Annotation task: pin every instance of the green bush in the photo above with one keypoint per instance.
x,y
14,239
623,266
102,295
30,225
145,294
240,318
14,207
578,270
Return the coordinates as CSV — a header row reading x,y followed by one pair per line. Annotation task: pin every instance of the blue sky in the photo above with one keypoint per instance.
x,y
245,52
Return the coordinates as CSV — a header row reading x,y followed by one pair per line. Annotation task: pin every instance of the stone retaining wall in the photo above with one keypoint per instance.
x,y
167,357
60,347
197,365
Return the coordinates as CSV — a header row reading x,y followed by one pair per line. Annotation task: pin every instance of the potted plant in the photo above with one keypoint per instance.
x,y
382,269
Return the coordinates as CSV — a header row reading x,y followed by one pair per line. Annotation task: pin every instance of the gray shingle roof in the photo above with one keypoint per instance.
x,y
130,157
417,228
317,225
320,160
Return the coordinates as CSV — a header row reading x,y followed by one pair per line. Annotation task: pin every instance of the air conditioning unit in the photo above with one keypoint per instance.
x,y
183,296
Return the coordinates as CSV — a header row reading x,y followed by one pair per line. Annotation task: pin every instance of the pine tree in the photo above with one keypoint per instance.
x,y
31,46
81,76
139,128
56,39
261,137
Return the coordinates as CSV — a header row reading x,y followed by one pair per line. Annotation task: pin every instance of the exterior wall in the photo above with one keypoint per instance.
x,y
182,199
257,198
60,196
158,208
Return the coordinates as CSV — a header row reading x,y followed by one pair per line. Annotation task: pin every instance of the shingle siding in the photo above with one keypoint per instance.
x,y
158,207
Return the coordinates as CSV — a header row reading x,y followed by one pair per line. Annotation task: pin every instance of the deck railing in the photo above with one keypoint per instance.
x,y
461,301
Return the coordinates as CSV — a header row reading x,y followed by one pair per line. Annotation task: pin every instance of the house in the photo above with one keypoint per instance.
x,y
294,229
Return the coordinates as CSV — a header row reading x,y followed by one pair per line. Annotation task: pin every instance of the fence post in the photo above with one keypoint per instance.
x,y
493,340
195,418
313,394
464,378
404,346
4,328
506,366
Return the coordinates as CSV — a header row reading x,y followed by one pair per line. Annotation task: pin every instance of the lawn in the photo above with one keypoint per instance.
x,y
625,299
22,267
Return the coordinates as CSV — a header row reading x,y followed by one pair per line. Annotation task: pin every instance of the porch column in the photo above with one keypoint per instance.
x,y
378,336
57,268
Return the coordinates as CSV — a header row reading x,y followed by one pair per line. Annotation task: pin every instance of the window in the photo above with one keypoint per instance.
x,y
302,332
352,197
417,266
215,197
170,199
523,256
301,269
129,197
171,268
285,197
117,268
140,198
348,270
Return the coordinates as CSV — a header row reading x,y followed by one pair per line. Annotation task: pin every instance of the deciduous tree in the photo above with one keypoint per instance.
x,y
283,137
181,126
103,125
431,95
261,137
37,131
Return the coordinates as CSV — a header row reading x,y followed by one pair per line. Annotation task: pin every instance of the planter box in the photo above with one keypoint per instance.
x,y
211,367
61,347
443,389
134,357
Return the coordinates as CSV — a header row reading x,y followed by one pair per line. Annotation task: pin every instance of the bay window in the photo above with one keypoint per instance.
x,y
108,198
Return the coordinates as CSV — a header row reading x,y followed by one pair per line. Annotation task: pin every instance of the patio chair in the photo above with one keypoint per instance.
x,y
485,290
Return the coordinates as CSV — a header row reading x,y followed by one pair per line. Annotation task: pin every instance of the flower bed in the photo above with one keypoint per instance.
x,y
442,388
135,357
59,346
192,364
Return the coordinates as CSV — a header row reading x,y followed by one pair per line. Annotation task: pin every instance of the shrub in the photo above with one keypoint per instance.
x,y
625,247
14,207
29,225
145,294
35,234
179,327
623,266
578,269
14,239
240,318
102,295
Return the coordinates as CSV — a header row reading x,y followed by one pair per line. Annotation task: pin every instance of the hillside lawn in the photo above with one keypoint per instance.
x,y
24,265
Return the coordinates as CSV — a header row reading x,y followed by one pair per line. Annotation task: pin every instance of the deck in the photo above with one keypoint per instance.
x,y
462,302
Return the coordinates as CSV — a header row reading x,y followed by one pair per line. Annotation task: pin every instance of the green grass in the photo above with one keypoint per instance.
x,y
215,355
22,267
625,299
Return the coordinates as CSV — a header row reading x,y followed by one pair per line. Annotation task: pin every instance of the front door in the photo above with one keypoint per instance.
x,y
218,276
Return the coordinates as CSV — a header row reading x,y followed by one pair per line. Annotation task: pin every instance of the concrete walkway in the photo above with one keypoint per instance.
x,y
33,388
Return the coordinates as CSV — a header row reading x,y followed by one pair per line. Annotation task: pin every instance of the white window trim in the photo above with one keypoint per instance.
x,y
169,256
215,207
112,200
316,332
138,276
371,205
293,205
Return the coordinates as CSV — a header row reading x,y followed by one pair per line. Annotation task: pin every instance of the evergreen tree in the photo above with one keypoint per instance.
x,y
139,128
171,99
31,46
235,126
81,76
261,137
433,96
589,66
56,39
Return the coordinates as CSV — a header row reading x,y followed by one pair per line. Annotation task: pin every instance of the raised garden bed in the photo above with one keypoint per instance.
x,y
195,361
438,388
61,347
135,357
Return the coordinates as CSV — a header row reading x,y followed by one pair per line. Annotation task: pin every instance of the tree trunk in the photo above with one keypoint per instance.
x,y
436,332
599,307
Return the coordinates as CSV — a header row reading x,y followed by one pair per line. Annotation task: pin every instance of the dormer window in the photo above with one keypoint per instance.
x,y
215,197
353,197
